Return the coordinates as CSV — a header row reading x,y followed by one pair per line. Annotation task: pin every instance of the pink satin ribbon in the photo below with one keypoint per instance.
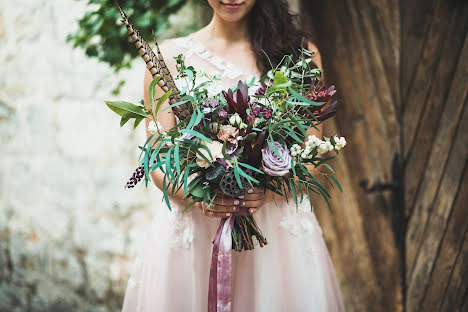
x,y
219,291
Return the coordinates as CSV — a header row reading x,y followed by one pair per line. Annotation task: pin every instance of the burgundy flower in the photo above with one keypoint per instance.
x,y
259,110
238,101
328,112
261,91
322,95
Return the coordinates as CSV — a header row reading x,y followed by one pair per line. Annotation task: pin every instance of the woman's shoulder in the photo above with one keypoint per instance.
x,y
174,46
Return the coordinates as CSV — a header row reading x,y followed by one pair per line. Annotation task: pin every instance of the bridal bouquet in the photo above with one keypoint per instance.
x,y
229,142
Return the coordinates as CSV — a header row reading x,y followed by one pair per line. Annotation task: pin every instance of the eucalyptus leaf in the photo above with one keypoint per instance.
x,y
126,109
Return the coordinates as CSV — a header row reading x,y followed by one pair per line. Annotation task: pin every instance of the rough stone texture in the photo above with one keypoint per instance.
x,y
68,230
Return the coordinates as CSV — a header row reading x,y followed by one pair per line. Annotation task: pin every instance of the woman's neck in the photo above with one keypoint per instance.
x,y
225,33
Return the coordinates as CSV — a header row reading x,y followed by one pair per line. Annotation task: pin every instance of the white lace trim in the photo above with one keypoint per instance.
x,y
302,221
226,69
179,225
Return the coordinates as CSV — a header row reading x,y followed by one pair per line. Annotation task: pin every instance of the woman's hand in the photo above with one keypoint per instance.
x,y
223,206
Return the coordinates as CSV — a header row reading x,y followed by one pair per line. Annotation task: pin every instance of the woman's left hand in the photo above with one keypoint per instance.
x,y
253,199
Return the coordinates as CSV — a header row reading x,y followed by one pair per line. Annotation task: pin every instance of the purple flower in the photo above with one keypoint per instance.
x,y
222,114
231,147
209,106
185,136
259,110
272,164
261,90
211,103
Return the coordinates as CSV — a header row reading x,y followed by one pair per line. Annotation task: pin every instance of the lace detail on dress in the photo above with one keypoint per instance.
x,y
302,221
225,69
135,274
180,227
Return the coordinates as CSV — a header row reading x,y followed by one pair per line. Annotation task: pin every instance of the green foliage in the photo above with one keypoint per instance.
x,y
101,34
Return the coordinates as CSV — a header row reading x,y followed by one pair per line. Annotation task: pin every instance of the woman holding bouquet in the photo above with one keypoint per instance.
x,y
293,272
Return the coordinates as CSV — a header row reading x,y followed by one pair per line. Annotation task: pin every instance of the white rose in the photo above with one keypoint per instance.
x,y
215,149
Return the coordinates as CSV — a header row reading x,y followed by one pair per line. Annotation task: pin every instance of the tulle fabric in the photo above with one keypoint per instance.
x,y
293,272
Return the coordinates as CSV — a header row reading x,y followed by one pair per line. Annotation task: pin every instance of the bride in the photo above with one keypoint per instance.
x,y
293,272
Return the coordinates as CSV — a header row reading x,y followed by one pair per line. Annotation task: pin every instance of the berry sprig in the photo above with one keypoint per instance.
x,y
136,177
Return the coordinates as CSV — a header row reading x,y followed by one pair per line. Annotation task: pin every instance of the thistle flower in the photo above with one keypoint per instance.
x,y
261,90
222,114
210,105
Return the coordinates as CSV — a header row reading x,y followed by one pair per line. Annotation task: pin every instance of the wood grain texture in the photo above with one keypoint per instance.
x,y
360,48
401,69
444,274
438,158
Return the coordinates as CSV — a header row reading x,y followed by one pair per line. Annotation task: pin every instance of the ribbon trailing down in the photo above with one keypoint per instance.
x,y
219,291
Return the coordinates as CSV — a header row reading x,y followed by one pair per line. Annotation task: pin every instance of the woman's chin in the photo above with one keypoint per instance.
x,y
232,17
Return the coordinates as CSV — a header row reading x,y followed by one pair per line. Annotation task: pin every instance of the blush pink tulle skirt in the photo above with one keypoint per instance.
x,y
293,272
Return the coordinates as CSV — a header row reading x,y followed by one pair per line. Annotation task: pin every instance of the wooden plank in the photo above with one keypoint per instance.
x,y
380,48
366,88
378,24
428,125
449,250
416,18
424,76
360,257
433,232
455,296
436,164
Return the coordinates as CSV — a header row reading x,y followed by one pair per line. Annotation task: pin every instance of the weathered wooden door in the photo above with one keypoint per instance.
x,y
401,67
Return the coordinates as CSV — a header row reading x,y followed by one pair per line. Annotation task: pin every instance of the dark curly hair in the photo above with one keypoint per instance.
x,y
276,31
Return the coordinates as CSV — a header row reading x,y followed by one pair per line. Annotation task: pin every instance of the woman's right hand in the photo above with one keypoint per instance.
x,y
222,206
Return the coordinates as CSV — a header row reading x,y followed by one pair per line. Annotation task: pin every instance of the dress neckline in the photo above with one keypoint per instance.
x,y
228,69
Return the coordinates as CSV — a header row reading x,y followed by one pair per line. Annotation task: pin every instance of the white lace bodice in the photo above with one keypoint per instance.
x,y
203,59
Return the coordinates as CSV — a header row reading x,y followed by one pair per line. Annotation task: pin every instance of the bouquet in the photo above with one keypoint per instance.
x,y
230,141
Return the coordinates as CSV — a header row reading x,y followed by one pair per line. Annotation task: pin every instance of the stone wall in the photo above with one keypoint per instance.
x,y
68,230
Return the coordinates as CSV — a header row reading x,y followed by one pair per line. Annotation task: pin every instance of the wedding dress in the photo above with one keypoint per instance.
x,y
293,272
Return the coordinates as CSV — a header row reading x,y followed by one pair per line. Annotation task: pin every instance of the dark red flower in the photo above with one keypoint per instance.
x,y
238,101
321,95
